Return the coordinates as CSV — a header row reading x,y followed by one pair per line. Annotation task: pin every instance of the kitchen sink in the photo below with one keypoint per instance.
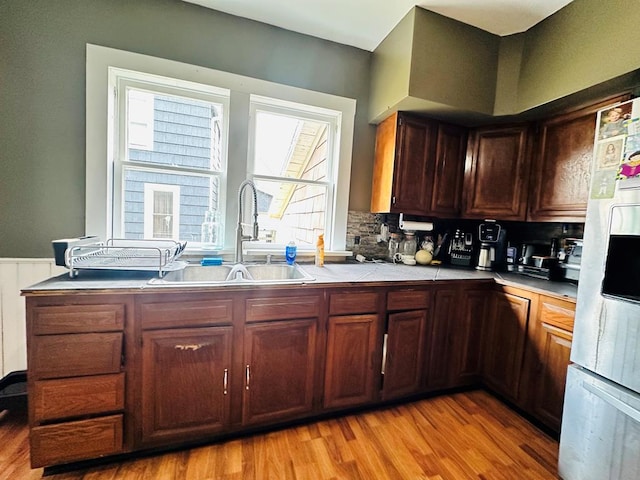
x,y
238,274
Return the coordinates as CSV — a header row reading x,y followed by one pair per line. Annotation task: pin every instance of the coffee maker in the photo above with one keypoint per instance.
x,y
492,253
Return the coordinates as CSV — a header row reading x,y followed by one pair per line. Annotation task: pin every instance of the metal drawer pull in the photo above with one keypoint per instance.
x,y
247,375
225,381
193,347
613,401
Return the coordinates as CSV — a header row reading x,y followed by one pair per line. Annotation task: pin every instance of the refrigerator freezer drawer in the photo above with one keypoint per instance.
x,y
600,436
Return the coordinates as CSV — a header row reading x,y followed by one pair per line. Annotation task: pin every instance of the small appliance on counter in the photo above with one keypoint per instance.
x,y
570,260
537,261
462,249
492,254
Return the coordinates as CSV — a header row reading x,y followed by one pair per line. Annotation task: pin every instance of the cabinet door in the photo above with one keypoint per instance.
x,y
413,172
402,173
561,174
353,366
185,375
467,337
451,143
548,359
402,360
504,343
439,354
497,173
280,359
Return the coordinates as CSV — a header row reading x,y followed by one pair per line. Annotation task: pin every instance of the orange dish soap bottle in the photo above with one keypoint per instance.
x,y
320,251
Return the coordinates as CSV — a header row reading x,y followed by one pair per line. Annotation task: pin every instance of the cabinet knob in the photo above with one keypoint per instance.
x,y
193,347
225,381
247,375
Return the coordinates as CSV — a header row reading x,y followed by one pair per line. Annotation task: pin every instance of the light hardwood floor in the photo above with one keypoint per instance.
x,y
469,435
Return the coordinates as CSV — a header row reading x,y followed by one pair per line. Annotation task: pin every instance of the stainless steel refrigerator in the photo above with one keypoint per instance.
x,y
600,436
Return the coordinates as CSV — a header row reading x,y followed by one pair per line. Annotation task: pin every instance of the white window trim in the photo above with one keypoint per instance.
x,y
149,190
99,147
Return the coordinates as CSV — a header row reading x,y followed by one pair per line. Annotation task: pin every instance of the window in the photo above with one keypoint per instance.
x,y
293,156
161,211
172,141
169,161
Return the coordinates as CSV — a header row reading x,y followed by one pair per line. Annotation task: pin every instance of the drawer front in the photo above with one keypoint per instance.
x,y
353,303
78,319
186,314
72,441
557,313
55,356
408,299
74,397
282,308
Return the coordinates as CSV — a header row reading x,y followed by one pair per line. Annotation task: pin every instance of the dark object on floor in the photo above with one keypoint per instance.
x,y
13,390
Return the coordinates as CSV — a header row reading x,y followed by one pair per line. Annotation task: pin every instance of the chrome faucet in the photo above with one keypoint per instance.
x,y
239,236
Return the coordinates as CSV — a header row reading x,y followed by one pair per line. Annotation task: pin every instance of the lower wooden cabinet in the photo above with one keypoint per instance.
x,y
279,370
185,383
404,353
527,348
454,346
352,368
112,374
547,359
76,377
504,342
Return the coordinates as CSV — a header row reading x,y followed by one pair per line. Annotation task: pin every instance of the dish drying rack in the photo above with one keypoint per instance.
x,y
122,254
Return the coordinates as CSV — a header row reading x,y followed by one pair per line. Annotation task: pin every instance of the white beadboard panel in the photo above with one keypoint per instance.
x,y
16,274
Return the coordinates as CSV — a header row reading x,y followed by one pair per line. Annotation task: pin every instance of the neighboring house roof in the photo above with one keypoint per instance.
x,y
303,145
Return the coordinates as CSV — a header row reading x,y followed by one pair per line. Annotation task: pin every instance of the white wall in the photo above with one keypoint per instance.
x,y
15,274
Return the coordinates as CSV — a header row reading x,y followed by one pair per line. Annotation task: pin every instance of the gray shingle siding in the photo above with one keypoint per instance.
x,y
182,137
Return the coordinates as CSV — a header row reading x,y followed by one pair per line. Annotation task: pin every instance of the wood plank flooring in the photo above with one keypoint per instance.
x,y
469,435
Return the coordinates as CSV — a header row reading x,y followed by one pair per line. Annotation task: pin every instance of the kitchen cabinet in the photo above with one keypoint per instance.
x,y
405,338
496,174
468,327
76,377
186,364
418,166
454,351
504,341
280,363
353,359
547,359
561,166
185,383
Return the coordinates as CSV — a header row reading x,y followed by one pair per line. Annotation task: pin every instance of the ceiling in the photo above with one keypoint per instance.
x,y
365,23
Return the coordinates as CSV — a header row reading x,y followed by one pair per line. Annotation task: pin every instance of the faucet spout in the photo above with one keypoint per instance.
x,y
239,236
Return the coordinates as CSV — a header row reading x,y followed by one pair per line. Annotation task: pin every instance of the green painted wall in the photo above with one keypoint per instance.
x,y
431,63
586,43
452,63
42,94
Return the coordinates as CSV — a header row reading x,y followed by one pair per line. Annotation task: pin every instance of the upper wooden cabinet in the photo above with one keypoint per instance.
x,y
561,168
497,173
418,166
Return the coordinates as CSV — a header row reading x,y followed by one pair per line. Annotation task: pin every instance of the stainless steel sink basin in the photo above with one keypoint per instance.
x,y
238,274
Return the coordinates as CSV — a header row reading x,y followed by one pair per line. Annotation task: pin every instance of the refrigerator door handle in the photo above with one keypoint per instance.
x,y
613,401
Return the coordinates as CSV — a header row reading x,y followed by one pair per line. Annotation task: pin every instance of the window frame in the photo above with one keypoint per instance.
x,y
333,119
99,136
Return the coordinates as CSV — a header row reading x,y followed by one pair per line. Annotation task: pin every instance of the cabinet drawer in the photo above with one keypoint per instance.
x,y
78,319
350,303
74,397
54,356
186,314
259,309
408,299
557,313
72,441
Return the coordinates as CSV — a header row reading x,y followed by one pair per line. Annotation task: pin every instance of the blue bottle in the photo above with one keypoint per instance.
x,y
290,252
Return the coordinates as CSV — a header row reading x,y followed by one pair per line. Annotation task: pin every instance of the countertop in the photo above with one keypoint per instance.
x,y
331,274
